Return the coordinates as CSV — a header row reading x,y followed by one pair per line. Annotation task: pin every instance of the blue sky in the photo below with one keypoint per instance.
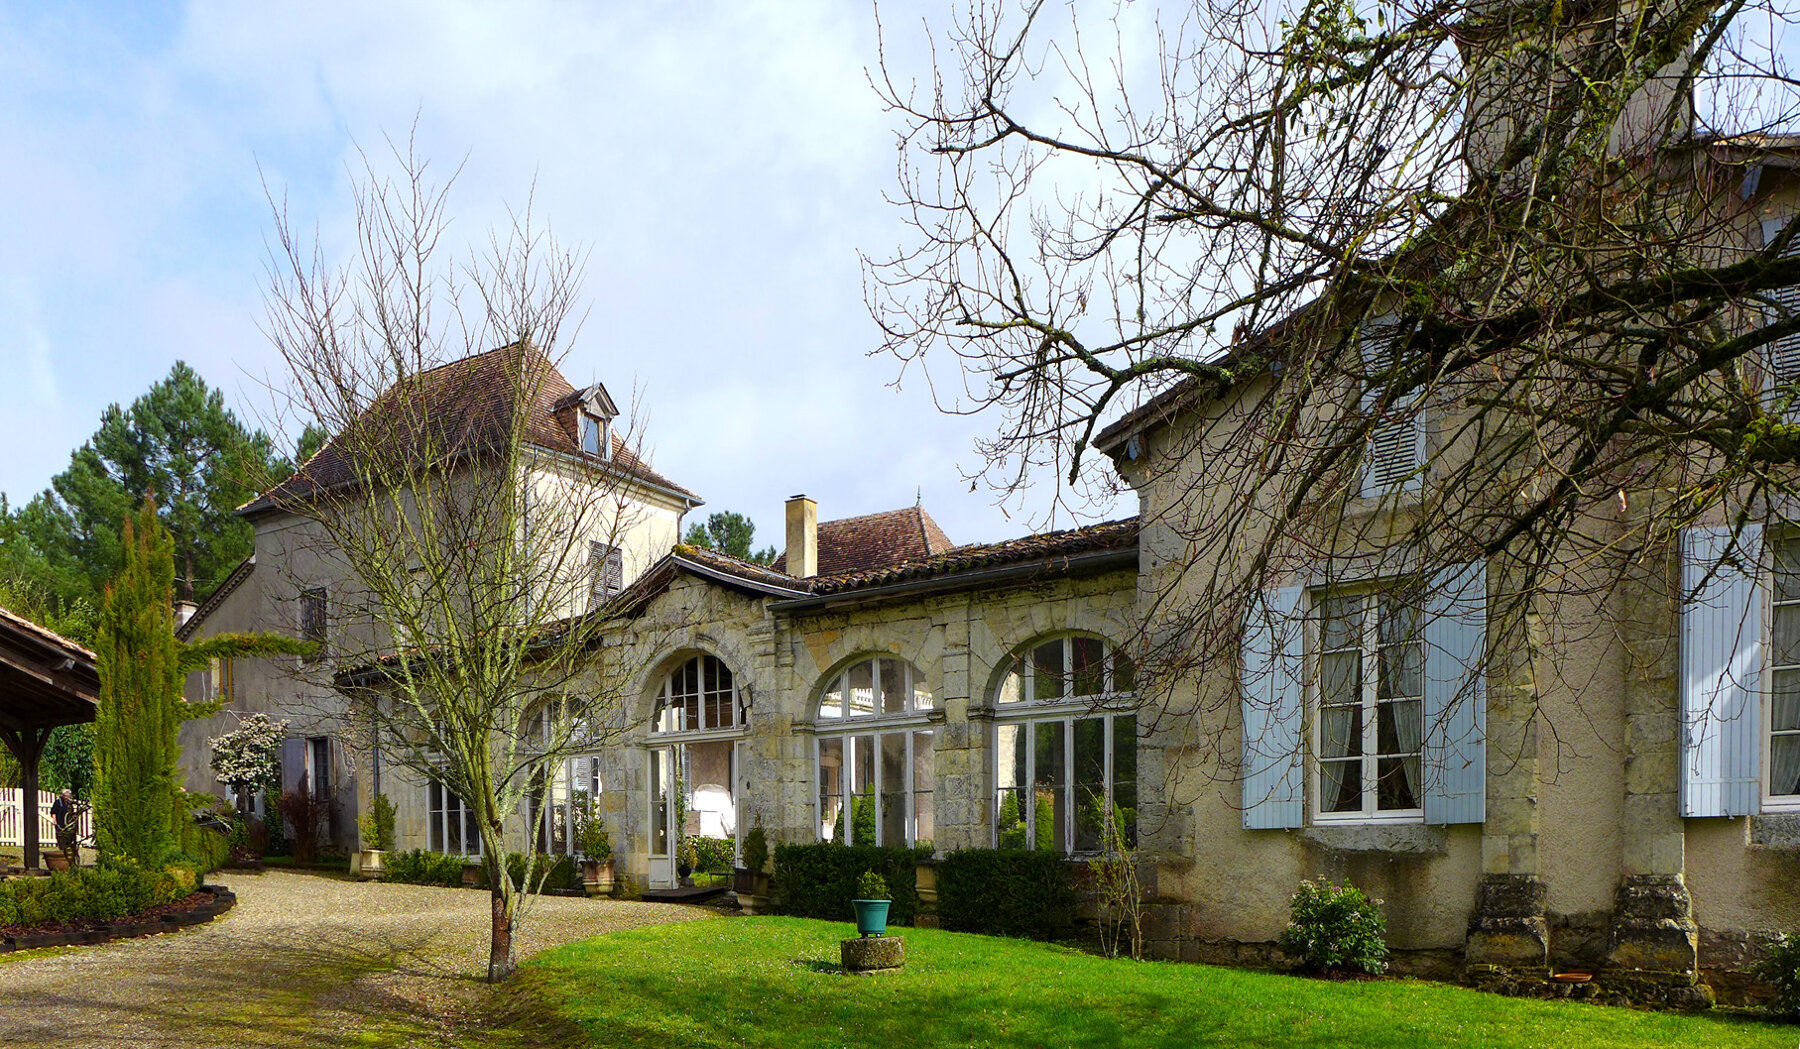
x,y
723,162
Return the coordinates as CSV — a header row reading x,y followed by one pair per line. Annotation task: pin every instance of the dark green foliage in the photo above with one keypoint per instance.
x,y
177,440
819,881
1334,928
862,821
728,532
547,872
418,867
137,730
1780,969
103,893
756,848
712,855
278,843
1007,892
206,847
871,886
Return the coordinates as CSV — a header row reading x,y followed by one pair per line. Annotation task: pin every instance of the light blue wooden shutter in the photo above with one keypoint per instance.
x,y
1454,761
1397,448
1721,671
1783,376
1273,699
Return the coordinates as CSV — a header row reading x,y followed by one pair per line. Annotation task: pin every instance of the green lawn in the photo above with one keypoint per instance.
x,y
775,982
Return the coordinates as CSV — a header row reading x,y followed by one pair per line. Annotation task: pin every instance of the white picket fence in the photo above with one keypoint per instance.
x,y
12,820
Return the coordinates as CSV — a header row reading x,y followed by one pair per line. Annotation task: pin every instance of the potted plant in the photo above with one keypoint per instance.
x,y
871,904
377,827
687,855
596,851
752,879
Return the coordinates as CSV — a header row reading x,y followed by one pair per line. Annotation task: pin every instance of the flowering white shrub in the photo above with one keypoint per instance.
x,y
250,755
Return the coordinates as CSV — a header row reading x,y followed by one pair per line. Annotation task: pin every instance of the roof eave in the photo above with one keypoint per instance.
x,y
1092,561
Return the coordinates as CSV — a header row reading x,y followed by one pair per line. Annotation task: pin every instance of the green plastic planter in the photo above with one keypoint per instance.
x,y
871,916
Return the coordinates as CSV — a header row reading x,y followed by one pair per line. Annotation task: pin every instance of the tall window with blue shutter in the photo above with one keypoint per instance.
x,y
1396,457
1740,671
1781,384
1354,666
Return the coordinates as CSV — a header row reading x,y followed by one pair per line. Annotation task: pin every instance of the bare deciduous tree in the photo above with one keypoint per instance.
x,y
1523,234
455,522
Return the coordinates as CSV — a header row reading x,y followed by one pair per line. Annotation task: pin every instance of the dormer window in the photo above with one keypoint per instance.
x,y
595,438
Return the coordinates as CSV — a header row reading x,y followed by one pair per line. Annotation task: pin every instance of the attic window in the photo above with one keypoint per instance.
x,y
594,436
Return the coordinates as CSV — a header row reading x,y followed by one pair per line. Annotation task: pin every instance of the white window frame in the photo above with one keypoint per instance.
x,y
564,776
1369,710
1771,801
596,436
1027,726
1024,669
437,821
735,704
918,698
847,777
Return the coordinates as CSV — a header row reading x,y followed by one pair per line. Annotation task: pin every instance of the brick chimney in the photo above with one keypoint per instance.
x,y
802,537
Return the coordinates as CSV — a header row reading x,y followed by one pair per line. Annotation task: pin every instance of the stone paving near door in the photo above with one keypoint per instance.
x,y
303,960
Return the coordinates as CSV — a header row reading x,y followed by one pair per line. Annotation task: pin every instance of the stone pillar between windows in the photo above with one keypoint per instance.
x,y
1654,941
1509,935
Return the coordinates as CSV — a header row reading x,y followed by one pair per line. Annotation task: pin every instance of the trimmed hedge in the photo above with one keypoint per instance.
x,y
1007,892
819,881
418,867
103,893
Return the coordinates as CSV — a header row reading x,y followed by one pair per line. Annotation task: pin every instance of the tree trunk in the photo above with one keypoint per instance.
x,y
500,946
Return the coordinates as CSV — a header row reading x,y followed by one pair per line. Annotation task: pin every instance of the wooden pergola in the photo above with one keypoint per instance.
x,y
46,681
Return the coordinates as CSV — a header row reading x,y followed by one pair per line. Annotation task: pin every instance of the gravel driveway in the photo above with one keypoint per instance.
x,y
303,960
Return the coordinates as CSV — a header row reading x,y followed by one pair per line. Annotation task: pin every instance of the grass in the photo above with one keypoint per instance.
x,y
776,982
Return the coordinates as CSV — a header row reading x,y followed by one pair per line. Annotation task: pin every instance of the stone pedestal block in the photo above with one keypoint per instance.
x,y
873,953
1508,930
1653,930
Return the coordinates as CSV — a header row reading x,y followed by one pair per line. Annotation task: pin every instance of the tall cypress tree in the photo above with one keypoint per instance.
x,y
137,744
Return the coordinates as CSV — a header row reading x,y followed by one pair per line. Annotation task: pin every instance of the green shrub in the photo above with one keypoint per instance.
x,y
104,893
871,886
819,881
1336,928
756,849
547,872
418,867
1007,892
377,825
1780,969
712,855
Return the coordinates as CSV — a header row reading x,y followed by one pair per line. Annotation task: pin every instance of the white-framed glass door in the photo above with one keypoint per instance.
x,y
696,783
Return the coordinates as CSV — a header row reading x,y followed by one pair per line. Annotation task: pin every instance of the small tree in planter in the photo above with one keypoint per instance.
x,y
871,903
377,827
752,879
596,848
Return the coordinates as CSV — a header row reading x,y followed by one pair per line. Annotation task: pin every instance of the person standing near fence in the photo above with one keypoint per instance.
x,y
66,812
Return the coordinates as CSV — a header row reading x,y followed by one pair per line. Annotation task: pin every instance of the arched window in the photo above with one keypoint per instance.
x,y
1062,759
700,695
874,760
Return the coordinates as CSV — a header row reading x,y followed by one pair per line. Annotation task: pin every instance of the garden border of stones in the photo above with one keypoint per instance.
x,y
223,900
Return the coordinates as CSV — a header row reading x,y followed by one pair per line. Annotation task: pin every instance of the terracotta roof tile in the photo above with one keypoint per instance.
x,y
462,406
860,544
1113,535
44,635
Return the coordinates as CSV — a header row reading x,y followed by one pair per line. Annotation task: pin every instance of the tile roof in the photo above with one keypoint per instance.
x,y
462,406
11,620
1047,546
872,541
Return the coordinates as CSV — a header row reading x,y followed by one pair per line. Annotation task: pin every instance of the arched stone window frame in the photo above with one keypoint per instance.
x,y
875,755
700,706
1065,743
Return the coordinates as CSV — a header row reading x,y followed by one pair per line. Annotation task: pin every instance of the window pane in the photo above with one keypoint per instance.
x,y
831,790
1398,727
1787,571
832,705
1050,783
1340,786
1786,637
1012,687
1784,706
1124,672
893,686
659,801
1089,671
862,689
1010,811
895,776
453,823
1402,671
1047,671
1340,677
1340,732
924,781
1784,765
1399,620
1340,621
862,790
1090,783
1396,784
922,699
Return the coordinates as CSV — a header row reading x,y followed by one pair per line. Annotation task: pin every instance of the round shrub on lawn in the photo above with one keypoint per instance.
x,y
1336,928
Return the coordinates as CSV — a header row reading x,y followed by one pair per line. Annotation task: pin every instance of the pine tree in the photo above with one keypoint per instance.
x,y
136,744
